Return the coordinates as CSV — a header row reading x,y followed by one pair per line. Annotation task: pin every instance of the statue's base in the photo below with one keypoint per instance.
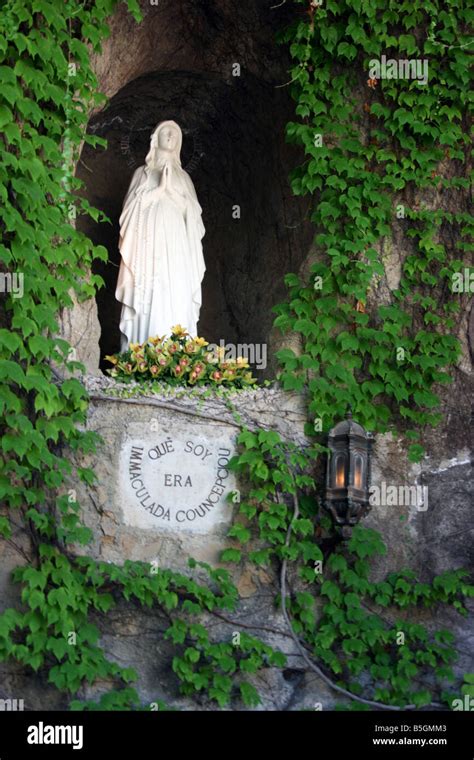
x,y
163,479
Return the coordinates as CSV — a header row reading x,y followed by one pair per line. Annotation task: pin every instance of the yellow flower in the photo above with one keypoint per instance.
x,y
156,340
201,342
178,332
134,347
112,359
242,363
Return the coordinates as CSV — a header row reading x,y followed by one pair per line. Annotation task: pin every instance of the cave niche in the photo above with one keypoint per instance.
x,y
235,151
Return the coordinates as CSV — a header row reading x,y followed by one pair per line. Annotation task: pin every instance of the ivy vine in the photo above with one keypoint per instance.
x,y
48,90
370,160
366,167
354,632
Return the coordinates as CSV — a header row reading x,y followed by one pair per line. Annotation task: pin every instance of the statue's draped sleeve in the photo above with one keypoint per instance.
x,y
128,242
195,231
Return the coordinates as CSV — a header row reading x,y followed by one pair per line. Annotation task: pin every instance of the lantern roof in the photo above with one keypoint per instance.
x,y
348,427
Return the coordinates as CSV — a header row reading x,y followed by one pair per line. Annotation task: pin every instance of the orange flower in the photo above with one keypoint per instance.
x,y
372,83
197,369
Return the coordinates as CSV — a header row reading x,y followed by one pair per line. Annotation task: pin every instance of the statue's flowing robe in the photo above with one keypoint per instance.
x,y
162,267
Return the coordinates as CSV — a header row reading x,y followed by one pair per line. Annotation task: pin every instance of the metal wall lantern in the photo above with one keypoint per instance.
x,y
348,473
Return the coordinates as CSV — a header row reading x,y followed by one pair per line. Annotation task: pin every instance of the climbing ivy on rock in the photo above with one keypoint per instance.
x,y
398,141
394,161
56,637
47,91
356,629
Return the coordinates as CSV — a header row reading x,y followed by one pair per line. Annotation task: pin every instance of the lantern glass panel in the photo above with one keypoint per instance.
x,y
358,471
340,471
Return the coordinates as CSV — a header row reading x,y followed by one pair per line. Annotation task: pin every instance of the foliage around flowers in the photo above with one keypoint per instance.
x,y
48,89
180,360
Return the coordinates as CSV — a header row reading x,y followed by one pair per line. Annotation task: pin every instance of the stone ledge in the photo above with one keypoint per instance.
x,y
162,474
268,408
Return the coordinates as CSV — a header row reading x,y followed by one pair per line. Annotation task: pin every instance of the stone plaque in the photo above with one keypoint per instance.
x,y
177,482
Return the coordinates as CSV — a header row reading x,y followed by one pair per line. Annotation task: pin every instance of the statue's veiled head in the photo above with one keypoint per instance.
x,y
165,144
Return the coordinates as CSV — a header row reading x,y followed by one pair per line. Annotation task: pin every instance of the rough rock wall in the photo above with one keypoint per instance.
x,y
178,47
428,540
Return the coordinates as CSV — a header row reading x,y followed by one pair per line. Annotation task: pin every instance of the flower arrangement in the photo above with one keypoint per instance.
x,y
180,360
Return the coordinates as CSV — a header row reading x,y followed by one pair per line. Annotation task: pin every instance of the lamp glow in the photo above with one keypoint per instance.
x,y
340,480
348,473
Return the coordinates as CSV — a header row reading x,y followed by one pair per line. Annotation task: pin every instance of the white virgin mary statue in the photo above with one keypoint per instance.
x,y
159,282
